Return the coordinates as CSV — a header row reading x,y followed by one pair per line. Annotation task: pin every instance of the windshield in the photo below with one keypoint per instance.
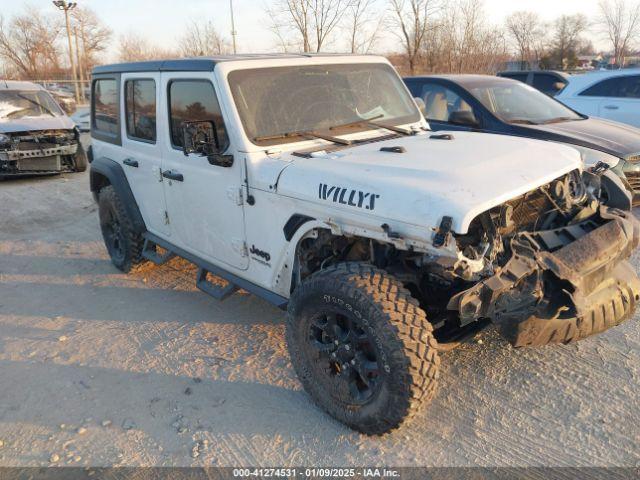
x,y
21,104
520,103
274,102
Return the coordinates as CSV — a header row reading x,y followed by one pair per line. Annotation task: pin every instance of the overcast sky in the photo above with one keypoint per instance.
x,y
162,20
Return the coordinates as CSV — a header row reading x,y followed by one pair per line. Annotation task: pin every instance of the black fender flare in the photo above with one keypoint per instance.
x,y
105,171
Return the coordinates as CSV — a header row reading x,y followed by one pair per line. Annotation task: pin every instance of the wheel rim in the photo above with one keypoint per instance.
x,y
345,356
113,236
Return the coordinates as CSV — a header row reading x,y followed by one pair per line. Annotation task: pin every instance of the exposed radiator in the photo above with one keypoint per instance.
x,y
34,164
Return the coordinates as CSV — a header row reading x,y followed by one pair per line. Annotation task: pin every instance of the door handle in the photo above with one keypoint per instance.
x,y
130,162
611,107
171,175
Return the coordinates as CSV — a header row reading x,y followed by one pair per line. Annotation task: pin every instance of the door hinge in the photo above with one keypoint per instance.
x,y
235,194
240,246
166,218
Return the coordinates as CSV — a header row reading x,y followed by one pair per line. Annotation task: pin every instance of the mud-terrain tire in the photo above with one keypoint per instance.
x,y
123,243
80,161
362,347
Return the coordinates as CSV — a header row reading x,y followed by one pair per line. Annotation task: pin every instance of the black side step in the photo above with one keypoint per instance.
x,y
150,252
216,291
235,282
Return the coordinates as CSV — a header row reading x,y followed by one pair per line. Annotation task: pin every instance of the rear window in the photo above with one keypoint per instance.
x,y
549,84
105,101
140,106
521,77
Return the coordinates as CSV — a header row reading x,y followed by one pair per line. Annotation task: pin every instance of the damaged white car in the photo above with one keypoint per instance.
x,y
36,136
315,183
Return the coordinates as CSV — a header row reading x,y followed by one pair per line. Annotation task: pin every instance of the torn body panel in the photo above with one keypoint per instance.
x,y
560,285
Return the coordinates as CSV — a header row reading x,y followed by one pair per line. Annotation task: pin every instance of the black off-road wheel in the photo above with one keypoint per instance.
x,y
123,243
362,347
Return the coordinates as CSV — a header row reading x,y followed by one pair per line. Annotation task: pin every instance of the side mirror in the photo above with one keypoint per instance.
x,y
464,118
421,105
201,137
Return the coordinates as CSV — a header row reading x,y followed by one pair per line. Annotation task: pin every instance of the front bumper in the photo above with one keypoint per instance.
x,y
51,159
562,285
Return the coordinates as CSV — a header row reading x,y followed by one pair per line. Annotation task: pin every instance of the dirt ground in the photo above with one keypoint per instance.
x,y
100,368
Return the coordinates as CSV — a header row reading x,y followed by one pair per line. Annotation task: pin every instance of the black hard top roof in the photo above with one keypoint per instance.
x,y
196,64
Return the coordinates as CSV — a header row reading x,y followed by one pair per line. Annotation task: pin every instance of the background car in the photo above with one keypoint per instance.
x,y
82,118
548,82
64,99
36,136
613,94
504,106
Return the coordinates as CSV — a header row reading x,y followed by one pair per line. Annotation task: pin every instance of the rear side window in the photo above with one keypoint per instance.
x,y
105,101
548,84
611,87
140,106
194,100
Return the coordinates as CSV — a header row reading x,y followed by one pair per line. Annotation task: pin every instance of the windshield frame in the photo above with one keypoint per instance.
x,y
471,88
55,112
414,117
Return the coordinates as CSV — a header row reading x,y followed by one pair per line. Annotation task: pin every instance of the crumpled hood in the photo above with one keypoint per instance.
x,y
36,123
460,178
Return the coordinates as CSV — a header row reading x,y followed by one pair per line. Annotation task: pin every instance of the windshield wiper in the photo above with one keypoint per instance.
x,y
303,133
557,120
523,121
369,122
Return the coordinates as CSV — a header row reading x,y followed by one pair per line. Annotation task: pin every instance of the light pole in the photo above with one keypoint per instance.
x,y
65,7
233,28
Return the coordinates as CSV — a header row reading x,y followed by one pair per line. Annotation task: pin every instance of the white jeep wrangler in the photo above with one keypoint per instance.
x,y
313,181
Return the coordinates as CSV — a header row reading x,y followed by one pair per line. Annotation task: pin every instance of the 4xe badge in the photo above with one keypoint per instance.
x,y
347,196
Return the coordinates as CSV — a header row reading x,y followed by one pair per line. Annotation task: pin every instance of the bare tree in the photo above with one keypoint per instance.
x,y
134,48
566,39
412,20
93,35
29,44
465,42
621,21
311,21
526,30
201,38
363,23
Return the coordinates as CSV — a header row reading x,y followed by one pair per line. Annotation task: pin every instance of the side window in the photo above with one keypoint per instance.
x,y
631,88
140,109
441,103
105,106
194,100
548,84
611,87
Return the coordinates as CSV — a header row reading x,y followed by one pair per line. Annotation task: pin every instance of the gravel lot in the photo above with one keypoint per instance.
x,y
100,368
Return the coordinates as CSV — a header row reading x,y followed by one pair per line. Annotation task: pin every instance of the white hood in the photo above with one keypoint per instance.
x,y
460,178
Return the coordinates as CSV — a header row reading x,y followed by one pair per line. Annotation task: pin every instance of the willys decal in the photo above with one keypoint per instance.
x,y
348,196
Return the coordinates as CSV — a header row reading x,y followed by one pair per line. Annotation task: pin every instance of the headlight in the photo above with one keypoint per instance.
x,y
591,157
4,139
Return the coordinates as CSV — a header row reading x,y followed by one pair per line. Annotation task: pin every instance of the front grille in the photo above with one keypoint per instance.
x,y
36,164
634,180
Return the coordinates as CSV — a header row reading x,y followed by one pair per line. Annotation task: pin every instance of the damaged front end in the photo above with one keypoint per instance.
x,y
550,267
38,152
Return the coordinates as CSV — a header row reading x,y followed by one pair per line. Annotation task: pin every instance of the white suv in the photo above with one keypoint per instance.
x,y
614,95
315,183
